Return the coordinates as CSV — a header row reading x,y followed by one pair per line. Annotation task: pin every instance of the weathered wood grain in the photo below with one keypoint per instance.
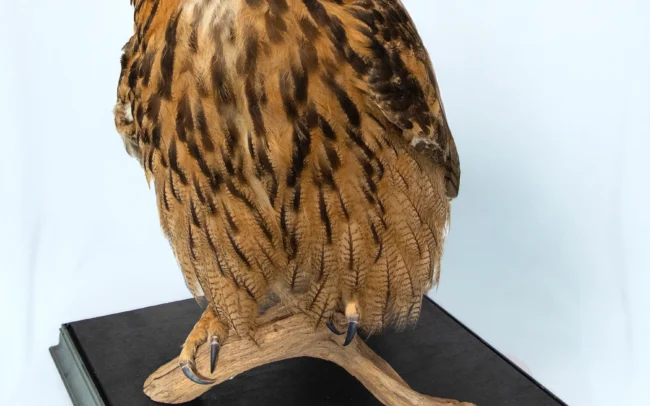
x,y
281,335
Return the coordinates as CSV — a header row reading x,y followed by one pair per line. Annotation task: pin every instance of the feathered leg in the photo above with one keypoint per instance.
x,y
208,328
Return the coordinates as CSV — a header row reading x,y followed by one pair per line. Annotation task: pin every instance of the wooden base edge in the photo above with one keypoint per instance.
x,y
73,372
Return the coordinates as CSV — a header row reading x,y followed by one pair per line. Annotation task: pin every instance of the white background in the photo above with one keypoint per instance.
x,y
549,253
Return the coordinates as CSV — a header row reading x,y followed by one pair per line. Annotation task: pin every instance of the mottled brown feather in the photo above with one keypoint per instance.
x,y
297,147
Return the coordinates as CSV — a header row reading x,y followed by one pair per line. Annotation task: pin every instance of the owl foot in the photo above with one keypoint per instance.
x,y
353,315
353,325
333,329
209,327
189,370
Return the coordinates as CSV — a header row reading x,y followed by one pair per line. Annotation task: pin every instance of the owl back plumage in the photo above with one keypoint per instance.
x,y
299,149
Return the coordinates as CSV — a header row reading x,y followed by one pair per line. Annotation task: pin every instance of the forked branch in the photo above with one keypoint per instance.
x,y
282,335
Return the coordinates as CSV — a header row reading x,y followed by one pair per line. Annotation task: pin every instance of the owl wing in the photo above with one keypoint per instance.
x,y
400,79
372,216
350,111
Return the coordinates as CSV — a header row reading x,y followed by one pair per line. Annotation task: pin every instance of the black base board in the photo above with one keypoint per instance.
x,y
105,361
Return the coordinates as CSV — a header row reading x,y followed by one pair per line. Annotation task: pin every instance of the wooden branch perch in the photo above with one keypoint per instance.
x,y
281,335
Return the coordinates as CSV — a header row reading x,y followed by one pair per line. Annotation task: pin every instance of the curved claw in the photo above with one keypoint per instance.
x,y
214,352
352,331
333,329
192,375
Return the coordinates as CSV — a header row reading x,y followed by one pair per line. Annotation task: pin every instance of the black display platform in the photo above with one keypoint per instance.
x,y
105,361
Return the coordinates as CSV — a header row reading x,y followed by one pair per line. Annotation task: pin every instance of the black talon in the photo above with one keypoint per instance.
x,y
214,352
352,331
333,329
192,375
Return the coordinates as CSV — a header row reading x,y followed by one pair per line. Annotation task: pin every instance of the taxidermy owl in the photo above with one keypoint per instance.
x,y
300,154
